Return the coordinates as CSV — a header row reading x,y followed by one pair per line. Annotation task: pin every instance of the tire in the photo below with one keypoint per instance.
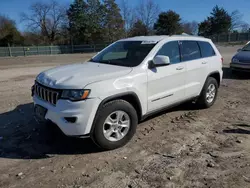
x,y
101,129
203,101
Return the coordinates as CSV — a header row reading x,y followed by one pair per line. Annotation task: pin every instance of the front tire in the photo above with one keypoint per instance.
x,y
209,93
115,124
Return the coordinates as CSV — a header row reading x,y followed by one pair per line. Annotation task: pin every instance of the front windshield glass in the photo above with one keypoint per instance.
x,y
125,53
246,48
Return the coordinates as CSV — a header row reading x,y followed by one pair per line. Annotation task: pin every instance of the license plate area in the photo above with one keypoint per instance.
x,y
40,112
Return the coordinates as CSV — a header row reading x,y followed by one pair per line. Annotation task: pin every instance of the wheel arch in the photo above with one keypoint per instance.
x,y
216,76
130,97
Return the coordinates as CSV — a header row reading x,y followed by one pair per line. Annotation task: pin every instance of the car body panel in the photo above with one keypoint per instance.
x,y
155,88
77,76
243,56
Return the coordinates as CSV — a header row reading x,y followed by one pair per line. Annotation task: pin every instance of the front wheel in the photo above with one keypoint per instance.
x,y
115,124
209,93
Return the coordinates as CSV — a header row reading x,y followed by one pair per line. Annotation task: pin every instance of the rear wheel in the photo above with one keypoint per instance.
x,y
115,124
209,93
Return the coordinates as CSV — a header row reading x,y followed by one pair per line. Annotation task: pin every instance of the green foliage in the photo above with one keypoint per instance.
x,y
205,28
9,33
168,23
91,21
113,22
219,22
95,13
78,20
138,29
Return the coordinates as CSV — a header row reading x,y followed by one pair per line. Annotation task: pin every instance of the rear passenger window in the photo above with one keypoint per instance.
x,y
171,49
206,49
190,51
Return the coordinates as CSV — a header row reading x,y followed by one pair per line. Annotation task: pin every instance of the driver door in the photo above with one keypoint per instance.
x,y
166,84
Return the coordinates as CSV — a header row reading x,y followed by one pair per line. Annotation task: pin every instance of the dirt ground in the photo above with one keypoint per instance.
x,y
183,147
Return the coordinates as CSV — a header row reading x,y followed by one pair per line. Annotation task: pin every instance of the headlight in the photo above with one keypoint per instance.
x,y
75,94
234,60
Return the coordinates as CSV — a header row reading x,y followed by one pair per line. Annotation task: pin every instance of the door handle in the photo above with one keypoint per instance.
x,y
179,68
204,63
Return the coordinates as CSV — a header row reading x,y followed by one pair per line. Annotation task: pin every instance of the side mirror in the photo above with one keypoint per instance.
x,y
239,50
159,60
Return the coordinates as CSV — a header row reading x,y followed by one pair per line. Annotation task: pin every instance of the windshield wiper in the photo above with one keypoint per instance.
x,y
109,62
92,60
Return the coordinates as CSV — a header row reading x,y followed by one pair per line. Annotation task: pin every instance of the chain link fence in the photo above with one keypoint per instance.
x,y
230,37
49,50
67,49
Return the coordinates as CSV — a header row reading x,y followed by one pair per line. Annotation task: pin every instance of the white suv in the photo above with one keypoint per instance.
x,y
107,96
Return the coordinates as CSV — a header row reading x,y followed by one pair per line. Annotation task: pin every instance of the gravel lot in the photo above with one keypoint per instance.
x,y
184,147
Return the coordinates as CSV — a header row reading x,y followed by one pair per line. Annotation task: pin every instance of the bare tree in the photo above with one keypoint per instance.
x,y
236,22
128,14
148,12
190,27
245,28
46,18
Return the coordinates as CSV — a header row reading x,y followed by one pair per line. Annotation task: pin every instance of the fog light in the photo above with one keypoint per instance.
x,y
70,119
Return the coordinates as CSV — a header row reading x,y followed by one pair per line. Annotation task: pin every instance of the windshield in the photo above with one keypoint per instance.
x,y
246,48
125,53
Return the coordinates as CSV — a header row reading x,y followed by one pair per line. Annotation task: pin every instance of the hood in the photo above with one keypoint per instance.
x,y
77,76
243,56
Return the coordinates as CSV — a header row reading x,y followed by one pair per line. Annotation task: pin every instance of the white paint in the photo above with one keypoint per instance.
x,y
155,88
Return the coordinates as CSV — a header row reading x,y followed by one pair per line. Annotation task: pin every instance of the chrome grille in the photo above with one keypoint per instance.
x,y
47,94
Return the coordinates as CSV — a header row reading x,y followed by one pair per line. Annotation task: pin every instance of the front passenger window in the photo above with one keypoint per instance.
x,y
171,49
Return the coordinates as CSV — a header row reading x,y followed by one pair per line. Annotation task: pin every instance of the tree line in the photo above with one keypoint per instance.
x,y
95,21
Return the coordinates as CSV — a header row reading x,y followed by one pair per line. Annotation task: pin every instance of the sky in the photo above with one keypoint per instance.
x,y
189,10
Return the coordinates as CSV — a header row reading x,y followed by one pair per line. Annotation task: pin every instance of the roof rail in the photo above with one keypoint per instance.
x,y
186,35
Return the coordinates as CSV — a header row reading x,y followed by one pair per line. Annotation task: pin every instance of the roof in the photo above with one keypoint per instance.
x,y
146,38
158,38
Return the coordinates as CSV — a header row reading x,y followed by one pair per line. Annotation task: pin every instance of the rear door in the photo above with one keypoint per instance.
x,y
166,84
196,66
208,52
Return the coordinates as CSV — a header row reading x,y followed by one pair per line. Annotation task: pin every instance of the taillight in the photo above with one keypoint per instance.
x,y
222,60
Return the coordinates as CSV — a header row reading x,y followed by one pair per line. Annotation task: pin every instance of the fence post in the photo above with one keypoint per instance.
x,y
10,54
72,48
72,45
37,49
229,37
94,48
24,52
50,47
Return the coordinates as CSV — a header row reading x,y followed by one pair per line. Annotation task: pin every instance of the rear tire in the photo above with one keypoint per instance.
x,y
209,93
110,131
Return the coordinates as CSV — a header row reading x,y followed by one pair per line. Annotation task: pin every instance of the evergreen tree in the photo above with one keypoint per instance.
x,y
168,23
219,22
78,18
138,29
113,22
95,22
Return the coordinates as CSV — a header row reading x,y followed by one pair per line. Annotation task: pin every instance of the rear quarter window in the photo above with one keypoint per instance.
x,y
206,49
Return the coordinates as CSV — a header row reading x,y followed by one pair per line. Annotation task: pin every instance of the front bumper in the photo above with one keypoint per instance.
x,y
240,67
83,111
